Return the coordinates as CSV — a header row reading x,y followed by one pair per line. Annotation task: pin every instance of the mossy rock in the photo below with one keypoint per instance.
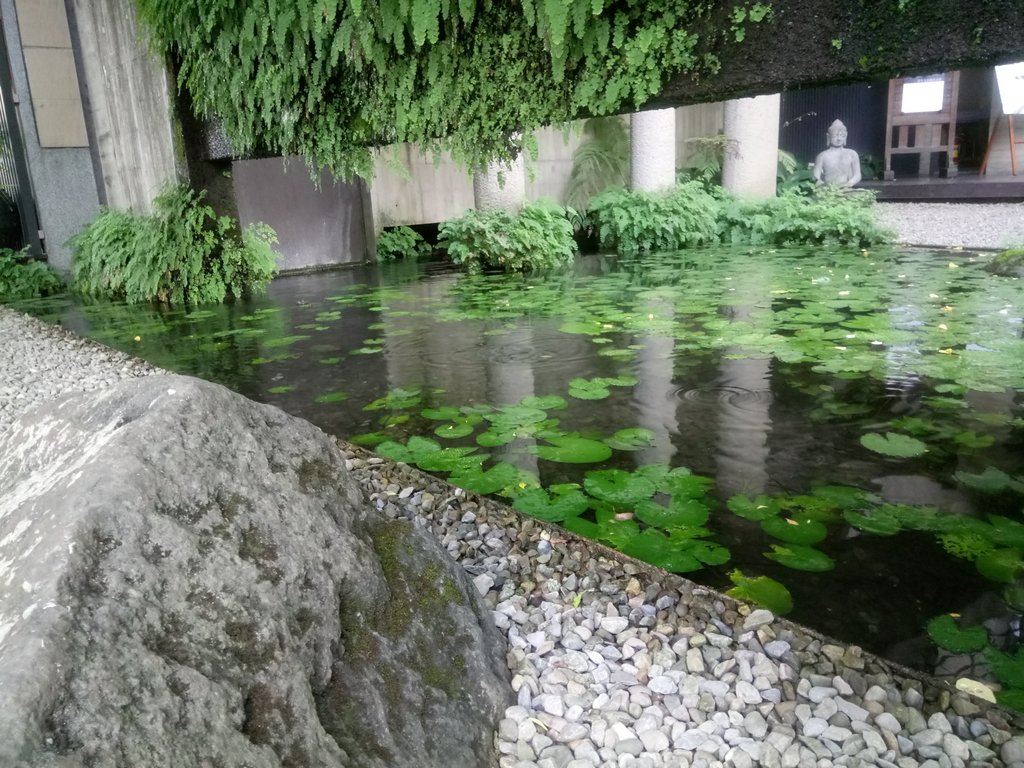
x,y
1009,263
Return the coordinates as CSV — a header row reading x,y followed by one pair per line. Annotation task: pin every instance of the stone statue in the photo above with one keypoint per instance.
x,y
837,166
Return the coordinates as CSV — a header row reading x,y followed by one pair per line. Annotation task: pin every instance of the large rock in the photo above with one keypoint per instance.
x,y
188,578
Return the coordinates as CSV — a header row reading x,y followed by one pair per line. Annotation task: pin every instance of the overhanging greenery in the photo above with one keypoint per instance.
x,y
326,79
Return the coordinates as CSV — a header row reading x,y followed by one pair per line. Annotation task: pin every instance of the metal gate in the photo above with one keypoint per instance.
x,y
19,224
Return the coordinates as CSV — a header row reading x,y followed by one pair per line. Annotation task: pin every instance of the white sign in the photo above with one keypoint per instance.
x,y
922,95
1010,78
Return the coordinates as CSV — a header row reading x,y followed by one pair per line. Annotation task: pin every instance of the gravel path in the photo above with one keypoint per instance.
x,y
966,225
613,663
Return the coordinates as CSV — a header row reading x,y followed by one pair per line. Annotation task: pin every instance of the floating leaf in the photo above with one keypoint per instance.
x,y
1008,670
454,431
709,553
972,440
757,509
630,439
446,413
281,390
656,548
794,531
515,415
332,397
284,341
1001,565
945,633
397,399
893,444
330,360
494,480
620,488
536,502
370,438
992,480
680,513
761,590
582,389
876,521
570,449
546,403
801,558
844,496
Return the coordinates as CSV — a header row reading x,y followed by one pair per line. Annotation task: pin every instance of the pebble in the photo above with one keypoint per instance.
x,y
614,665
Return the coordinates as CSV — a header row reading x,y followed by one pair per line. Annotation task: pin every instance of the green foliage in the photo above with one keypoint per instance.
x,y
539,238
1008,263
327,80
761,590
401,243
945,633
631,222
600,161
828,217
182,253
22,277
893,444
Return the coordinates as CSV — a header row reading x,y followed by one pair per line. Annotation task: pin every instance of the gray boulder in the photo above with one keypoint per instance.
x,y
188,578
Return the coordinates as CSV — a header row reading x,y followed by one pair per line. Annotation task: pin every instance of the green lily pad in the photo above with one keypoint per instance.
x,y
332,397
876,522
660,550
760,508
801,558
630,439
493,480
370,438
972,440
592,328
680,513
397,399
620,488
946,633
582,389
1001,565
281,390
515,415
761,590
893,444
446,413
709,553
794,531
330,360
571,449
1007,669
992,480
454,431
429,456
545,403
536,502
283,341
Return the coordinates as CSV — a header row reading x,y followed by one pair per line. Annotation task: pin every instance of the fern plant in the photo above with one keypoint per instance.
x,y
599,162
540,237
22,277
401,243
182,253
630,221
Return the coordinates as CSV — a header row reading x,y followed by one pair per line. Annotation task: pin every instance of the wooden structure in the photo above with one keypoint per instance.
x,y
911,131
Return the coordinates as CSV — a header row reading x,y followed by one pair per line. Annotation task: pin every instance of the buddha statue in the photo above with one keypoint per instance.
x,y
838,165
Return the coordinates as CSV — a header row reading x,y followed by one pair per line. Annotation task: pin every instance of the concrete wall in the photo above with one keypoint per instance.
x,y
60,165
408,187
129,104
316,226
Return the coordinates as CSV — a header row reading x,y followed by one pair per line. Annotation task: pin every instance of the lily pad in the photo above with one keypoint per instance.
x,y
794,531
876,521
760,508
582,389
801,558
1001,565
680,513
992,480
656,548
454,430
630,439
622,489
370,438
281,390
946,633
571,449
761,590
893,444
445,413
283,341
545,403
496,479
555,508
332,397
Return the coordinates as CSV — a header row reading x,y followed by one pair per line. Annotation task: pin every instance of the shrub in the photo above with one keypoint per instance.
x,y
182,253
828,217
22,277
630,221
600,161
539,238
401,243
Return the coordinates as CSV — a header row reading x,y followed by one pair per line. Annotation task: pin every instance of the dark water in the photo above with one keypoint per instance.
x,y
760,369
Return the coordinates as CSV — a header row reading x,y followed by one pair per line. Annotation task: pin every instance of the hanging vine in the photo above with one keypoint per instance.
x,y
327,79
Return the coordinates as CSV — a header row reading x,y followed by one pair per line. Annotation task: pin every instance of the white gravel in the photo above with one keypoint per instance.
x,y
955,225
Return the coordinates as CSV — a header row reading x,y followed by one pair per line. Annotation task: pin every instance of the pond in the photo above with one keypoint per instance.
x,y
841,430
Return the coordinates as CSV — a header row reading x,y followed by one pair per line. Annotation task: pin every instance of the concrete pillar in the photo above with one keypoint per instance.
x,y
500,186
752,152
653,150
